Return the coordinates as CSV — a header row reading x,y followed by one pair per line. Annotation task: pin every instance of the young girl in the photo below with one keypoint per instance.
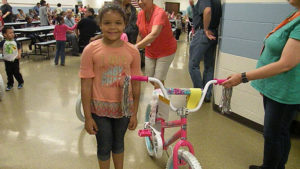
x,y
104,63
178,23
60,31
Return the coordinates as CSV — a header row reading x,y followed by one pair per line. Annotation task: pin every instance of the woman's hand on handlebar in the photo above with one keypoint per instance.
x,y
232,80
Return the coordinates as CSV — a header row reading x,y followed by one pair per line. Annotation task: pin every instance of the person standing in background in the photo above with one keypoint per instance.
x,y
155,34
71,36
206,19
11,50
58,9
131,28
43,14
7,12
36,8
189,15
178,22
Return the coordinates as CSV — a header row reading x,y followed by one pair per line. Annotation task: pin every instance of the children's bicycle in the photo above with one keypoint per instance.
x,y
191,33
79,109
154,126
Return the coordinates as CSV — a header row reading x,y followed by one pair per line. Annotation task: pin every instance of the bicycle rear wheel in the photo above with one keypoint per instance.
x,y
2,88
186,157
79,111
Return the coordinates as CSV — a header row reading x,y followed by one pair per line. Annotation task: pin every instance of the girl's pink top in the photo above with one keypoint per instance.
x,y
107,66
60,31
124,37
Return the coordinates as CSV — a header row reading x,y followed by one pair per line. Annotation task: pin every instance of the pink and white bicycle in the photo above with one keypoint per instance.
x,y
154,132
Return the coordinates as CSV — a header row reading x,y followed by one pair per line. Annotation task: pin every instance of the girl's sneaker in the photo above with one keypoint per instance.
x,y
8,88
20,86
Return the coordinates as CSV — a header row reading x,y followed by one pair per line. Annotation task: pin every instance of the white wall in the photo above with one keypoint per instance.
x,y
159,3
94,3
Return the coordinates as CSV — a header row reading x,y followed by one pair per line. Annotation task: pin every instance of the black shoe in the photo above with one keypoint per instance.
x,y
20,86
8,88
255,167
62,64
207,100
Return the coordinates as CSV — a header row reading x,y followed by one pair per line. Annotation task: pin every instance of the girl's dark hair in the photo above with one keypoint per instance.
x,y
59,18
112,7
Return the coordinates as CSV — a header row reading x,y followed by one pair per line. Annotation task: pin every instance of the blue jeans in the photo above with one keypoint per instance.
x,y
71,37
201,47
277,145
60,51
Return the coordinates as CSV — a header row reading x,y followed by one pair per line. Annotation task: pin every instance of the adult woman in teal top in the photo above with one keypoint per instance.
x,y
277,78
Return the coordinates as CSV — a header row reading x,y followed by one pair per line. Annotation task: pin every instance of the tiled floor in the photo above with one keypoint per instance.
x,y
39,128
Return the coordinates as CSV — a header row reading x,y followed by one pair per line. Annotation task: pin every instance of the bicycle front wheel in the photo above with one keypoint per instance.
x,y
2,88
186,158
79,111
148,141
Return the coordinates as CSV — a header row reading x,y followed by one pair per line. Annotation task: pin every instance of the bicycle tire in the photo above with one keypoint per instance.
x,y
79,113
191,36
149,146
2,88
188,157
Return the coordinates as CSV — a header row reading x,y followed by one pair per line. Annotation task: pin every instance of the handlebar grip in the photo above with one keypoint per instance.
x,y
139,78
220,81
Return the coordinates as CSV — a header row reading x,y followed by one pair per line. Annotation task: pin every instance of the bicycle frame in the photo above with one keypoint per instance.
x,y
181,134
182,123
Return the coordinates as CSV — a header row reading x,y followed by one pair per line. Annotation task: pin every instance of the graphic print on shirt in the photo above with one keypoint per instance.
x,y
112,77
10,50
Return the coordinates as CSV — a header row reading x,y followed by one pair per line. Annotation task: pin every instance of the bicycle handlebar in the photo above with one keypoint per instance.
x,y
139,78
165,92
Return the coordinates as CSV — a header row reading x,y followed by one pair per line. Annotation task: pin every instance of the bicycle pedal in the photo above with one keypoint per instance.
x,y
145,133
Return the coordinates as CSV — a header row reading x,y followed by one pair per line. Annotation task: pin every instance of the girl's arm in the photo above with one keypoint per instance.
x,y
86,96
290,58
156,29
71,28
136,89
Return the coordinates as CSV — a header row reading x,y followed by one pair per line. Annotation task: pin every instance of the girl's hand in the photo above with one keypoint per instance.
x,y
91,126
132,123
232,80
